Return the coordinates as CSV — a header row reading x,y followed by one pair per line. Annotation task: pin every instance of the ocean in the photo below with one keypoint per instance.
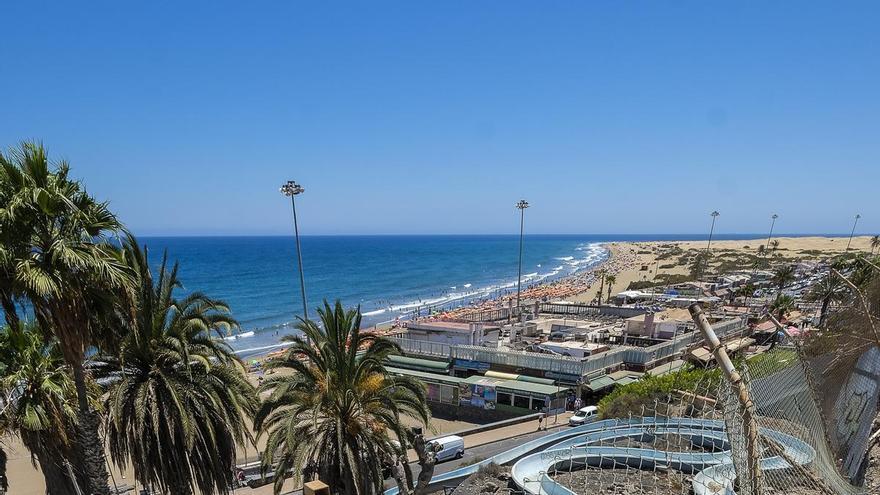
x,y
388,276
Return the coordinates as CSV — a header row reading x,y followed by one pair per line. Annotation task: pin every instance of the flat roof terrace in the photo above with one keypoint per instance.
x,y
449,326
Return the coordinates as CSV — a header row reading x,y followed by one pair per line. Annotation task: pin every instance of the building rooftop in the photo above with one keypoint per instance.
x,y
515,385
673,314
418,364
574,344
447,326
433,377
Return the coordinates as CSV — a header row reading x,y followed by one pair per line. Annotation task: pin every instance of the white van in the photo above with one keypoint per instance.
x,y
583,415
451,447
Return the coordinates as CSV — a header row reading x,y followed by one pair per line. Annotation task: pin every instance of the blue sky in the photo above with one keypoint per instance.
x,y
435,117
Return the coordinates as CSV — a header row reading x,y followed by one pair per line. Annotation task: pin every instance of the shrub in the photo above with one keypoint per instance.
x,y
651,394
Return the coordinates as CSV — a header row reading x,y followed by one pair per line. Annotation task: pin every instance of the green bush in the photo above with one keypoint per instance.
x,y
650,395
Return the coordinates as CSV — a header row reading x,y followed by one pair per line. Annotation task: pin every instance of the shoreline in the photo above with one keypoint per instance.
x,y
625,260
628,262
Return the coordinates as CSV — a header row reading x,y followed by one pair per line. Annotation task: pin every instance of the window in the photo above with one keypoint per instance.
x,y
538,404
503,398
447,394
434,392
520,401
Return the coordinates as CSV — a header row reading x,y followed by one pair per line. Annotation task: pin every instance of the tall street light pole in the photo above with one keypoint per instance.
x,y
712,229
521,206
291,189
714,215
853,231
772,223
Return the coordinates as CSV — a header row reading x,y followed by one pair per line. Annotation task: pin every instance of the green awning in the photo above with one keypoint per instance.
x,y
666,368
600,383
426,377
626,380
417,364
624,377
535,379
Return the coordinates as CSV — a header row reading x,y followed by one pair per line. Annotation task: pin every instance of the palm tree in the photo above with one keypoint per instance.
x,y
783,276
746,290
340,397
610,279
782,305
774,245
830,289
13,245
601,273
69,271
38,402
177,397
4,482
875,243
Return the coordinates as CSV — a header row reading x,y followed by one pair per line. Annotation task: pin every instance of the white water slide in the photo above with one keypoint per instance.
x,y
578,447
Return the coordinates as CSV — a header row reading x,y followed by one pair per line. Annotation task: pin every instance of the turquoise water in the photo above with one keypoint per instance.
x,y
386,275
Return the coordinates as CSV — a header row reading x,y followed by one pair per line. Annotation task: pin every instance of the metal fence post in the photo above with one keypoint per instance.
x,y
750,425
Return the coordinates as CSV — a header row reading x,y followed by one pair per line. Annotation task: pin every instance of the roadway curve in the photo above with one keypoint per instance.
x,y
713,469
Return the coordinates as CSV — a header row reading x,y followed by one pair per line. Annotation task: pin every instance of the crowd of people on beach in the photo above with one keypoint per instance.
x,y
575,284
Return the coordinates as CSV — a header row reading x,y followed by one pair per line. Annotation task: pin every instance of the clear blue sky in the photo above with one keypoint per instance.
x,y
435,117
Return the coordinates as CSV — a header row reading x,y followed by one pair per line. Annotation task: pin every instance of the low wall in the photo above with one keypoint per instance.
x,y
472,414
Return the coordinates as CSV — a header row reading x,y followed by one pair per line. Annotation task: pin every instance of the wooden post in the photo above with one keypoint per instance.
x,y
750,426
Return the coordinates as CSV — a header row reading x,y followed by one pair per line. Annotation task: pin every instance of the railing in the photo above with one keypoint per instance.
x,y
563,364
493,314
589,309
531,360
424,348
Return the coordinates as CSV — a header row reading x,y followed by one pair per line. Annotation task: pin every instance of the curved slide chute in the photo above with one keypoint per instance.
x,y
580,447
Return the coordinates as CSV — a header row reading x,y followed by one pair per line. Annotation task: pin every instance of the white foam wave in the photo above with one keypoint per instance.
x,y
240,335
256,350
591,254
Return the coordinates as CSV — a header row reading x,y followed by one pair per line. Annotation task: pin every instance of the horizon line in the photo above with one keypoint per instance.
x,y
717,234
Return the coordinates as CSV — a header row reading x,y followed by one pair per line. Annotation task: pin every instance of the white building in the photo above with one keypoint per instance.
x,y
573,348
661,325
453,333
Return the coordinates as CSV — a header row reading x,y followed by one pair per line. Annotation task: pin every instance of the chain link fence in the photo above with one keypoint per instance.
x,y
813,405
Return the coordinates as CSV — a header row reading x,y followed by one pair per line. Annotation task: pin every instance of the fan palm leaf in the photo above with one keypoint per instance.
x,y
62,261
338,395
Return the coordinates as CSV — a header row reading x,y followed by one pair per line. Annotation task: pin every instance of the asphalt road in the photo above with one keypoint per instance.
x,y
481,452
475,454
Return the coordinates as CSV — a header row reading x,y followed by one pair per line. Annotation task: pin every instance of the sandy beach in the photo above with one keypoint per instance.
x,y
628,262
633,256
643,261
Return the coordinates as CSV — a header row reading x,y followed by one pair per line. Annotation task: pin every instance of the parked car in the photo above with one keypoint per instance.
x,y
450,447
583,415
